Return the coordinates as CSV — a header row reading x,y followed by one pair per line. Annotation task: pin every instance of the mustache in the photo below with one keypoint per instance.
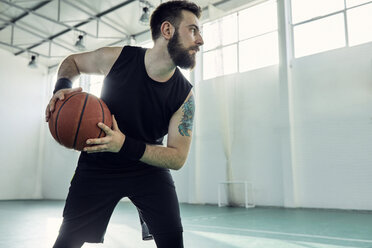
x,y
196,48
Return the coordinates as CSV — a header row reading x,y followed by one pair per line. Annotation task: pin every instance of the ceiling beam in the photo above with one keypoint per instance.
x,y
38,35
75,26
92,16
14,20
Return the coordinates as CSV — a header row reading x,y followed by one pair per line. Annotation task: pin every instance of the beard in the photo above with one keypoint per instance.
x,y
179,54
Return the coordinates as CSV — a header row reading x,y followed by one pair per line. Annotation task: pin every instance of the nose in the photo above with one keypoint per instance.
x,y
199,40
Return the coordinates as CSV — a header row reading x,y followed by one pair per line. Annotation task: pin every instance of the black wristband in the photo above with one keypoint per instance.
x,y
132,148
62,83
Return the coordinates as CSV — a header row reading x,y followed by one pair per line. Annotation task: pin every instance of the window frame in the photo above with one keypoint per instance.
x,y
239,40
346,28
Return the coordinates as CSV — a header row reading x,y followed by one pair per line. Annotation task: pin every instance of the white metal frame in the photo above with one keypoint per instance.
x,y
344,11
238,41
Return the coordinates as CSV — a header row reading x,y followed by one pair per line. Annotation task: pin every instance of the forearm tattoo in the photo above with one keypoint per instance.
x,y
188,109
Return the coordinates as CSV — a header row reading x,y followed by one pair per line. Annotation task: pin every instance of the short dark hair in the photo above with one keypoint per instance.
x,y
171,11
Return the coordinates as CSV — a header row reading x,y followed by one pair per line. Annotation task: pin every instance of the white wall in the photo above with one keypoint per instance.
x,y
22,94
332,99
252,101
330,105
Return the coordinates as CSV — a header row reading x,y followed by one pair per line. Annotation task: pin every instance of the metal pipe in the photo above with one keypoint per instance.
x,y
26,13
98,19
79,24
35,34
30,11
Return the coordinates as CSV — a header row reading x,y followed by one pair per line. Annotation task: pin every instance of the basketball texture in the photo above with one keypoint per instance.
x,y
75,119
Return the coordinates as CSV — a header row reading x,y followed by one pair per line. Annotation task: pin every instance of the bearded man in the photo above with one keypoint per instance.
x,y
149,98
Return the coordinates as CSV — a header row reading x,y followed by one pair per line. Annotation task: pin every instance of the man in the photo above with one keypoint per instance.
x,y
149,98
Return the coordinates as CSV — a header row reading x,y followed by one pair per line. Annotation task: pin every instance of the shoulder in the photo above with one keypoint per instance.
x,y
105,52
116,56
133,50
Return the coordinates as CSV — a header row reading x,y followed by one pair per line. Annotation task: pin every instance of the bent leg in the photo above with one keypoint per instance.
x,y
67,243
156,199
88,208
169,240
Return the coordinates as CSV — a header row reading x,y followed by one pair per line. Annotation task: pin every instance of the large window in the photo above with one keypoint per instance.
x,y
324,25
242,41
359,23
95,84
90,83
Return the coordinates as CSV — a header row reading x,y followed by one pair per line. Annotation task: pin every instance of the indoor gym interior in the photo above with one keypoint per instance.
x,y
281,154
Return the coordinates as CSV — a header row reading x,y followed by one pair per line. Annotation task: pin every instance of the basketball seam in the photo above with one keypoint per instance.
x,y
59,110
103,116
81,117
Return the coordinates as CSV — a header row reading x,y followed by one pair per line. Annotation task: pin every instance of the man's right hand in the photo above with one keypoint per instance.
x,y
59,95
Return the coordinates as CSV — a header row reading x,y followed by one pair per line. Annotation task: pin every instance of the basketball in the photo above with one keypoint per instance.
x,y
75,119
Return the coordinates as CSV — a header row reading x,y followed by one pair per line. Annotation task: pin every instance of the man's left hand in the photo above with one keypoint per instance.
x,y
112,142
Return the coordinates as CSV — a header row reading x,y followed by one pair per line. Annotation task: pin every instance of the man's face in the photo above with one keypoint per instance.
x,y
184,44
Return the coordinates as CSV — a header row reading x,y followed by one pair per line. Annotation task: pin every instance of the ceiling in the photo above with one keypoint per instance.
x,y
50,29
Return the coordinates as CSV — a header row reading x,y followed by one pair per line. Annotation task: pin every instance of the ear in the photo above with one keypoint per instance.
x,y
167,30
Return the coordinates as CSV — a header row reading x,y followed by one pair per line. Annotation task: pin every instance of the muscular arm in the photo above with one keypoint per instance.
x,y
99,61
179,139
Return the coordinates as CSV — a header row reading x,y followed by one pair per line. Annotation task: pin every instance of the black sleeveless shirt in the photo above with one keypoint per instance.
x,y
142,108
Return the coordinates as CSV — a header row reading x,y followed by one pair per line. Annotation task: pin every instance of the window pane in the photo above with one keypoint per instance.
x,y
258,52
307,9
318,36
211,35
212,64
351,3
360,24
76,84
230,60
96,82
220,32
229,29
258,20
219,62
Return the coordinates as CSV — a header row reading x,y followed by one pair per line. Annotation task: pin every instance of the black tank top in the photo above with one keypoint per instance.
x,y
142,109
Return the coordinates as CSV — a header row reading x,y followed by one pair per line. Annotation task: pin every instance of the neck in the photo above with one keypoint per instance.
x,y
159,65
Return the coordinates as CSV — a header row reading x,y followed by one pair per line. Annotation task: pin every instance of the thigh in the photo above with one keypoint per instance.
x,y
89,206
156,199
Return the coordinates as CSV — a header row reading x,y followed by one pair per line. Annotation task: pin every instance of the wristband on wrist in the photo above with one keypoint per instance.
x,y
62,83
132,148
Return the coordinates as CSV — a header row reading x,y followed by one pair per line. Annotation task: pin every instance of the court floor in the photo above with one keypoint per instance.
x,y
34,224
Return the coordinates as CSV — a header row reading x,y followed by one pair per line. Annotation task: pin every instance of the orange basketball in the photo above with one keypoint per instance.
x,y
75,119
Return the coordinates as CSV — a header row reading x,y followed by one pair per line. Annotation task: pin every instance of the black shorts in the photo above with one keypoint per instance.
x,y
91,201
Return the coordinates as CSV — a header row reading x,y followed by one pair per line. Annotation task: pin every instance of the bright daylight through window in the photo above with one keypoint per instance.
x,y
242,41
320,26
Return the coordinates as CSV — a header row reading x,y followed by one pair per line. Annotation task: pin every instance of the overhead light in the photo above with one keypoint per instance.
x,y
80,42
32,63
145,17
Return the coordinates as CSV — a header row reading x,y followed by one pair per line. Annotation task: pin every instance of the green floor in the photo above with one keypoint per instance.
x,y
34,224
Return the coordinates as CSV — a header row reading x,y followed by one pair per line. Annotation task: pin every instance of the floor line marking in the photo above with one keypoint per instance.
x,y
282,233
